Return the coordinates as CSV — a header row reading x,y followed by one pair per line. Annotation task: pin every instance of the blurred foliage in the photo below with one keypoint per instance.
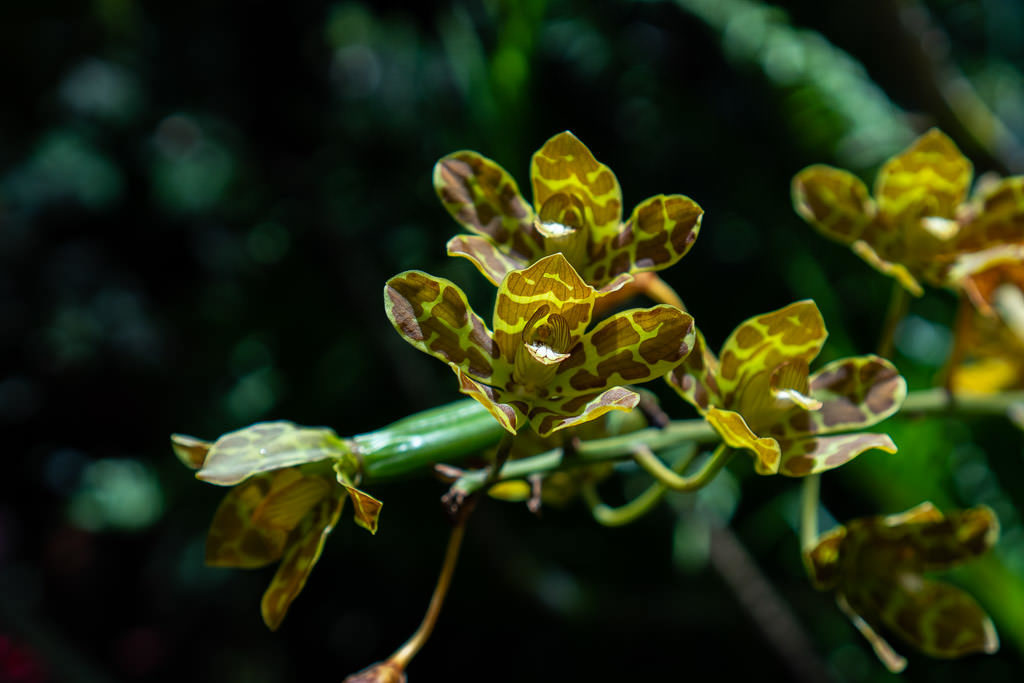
x,y
200,203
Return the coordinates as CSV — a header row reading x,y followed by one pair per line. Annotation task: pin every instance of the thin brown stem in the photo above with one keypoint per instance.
x,y
899,303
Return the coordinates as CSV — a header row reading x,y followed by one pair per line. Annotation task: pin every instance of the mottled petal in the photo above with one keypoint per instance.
x,y
930,178
488,258
234,540
659,233
894,270
190,450
510,417
267,446
695,379
802,457
550,416
936,618
564,167
736,433
854,392
550,287
892,660
366,507
630,347
834,201
998,217
766,341
484,198
433,315
303,550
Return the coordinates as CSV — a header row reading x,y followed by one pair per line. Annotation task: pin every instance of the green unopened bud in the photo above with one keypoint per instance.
x,y
381,672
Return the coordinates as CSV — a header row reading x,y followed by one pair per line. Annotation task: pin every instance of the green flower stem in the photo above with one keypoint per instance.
x,y
639,506
899,304
810,493
654,466
464,428
590,452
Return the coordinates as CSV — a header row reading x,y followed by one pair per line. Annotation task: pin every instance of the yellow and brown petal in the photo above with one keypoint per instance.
x,y
539,365
577,212
760,395
875,565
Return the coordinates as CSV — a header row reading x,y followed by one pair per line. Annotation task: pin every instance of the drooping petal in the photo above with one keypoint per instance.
x,y
659,233
930,178
304,546
735,432
433,315
267,446
628,348
550,287
565,166
291,497
898,271
234,540
936,618
762,343
803,457
695,379
190,450
494,263
834,201
366,508
550,416
484,198
511,416
854,392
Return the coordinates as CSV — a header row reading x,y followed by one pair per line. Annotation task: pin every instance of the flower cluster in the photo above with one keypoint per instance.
x,y
919,223
760,396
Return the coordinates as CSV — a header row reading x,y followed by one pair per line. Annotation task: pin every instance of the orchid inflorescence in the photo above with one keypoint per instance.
x,y
552,365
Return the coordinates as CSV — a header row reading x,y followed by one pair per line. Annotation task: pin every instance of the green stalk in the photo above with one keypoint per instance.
x,y
639,506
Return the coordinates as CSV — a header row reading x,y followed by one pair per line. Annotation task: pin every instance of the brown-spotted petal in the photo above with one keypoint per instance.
x,y
628,348
548,288
494,263
433,315
813,455
234,540
936,618
834,201
548,416
304,546
267,446
929,179
564,166
735,432
998,218
695,379
931,541
510,415
659,233
766,341
854,392
484,198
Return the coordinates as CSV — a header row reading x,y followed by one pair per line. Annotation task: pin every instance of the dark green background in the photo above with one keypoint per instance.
x,y
201,201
